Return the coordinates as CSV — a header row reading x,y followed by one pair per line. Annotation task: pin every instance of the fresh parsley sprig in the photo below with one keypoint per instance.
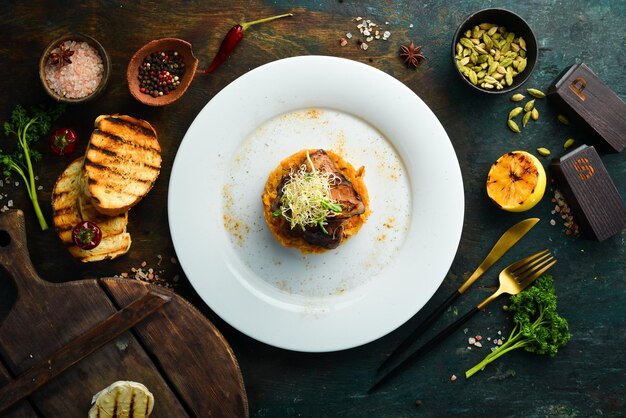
x,y
28,128
538,326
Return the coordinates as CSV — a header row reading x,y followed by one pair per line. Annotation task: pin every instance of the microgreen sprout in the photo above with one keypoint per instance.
x,y
306,199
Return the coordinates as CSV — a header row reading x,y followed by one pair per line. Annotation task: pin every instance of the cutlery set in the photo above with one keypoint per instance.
x,y
513,279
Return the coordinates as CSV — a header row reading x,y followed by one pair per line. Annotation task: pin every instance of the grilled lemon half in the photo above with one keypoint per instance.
x,y
516,181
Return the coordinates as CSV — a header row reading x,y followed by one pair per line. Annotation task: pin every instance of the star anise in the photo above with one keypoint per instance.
x,y
62,57
411,54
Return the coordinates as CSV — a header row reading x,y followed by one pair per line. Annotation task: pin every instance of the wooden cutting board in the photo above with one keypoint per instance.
x,y
176,352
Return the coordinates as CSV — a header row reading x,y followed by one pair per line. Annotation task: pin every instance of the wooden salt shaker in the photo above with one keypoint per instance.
x,y
591,194
591,105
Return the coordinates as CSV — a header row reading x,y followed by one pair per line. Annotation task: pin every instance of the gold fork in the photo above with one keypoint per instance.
x,y
513,279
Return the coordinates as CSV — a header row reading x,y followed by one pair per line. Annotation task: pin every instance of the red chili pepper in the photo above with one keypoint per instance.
x,y
232,39
63,141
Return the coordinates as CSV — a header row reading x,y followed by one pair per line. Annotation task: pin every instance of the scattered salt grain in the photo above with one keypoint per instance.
x,y
477,344
552,222
364,46
17,183
411,25
39,187
10,203
81,77
349,35
471,340
453,377
561,207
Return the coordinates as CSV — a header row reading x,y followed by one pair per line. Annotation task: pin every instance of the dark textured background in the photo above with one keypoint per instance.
x,y
587,378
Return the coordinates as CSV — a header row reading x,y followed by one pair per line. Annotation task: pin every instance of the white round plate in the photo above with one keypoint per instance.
x,y
372,283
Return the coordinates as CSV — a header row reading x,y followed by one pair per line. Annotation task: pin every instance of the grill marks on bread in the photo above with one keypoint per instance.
x,y
70,206
122,162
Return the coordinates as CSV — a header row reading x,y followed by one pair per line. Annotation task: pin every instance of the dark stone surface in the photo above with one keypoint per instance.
x,y
587,378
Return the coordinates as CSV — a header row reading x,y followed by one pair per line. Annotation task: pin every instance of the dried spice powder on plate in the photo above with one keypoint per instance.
x,y
79,78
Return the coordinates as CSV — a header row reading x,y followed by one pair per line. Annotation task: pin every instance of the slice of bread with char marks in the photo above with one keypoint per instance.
x,y
71,206
122,162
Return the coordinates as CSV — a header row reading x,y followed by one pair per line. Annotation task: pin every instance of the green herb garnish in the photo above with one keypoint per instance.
x,y
28,128
538,327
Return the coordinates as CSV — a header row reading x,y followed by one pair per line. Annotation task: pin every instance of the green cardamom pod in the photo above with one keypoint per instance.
x,y
568,143
526,118
534,114
529,105
466,43
473,77
513,126
509,78
505,62
517,97
563,120
544,152
536,93
513,113
491,80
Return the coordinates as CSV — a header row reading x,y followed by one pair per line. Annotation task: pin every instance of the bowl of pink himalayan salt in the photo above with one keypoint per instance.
x,y
74,68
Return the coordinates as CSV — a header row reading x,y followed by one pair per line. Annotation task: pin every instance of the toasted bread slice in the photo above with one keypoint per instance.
x,y
122,162
70,206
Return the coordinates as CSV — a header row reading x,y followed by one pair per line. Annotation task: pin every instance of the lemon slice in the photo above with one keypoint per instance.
x,y
123,399
516,181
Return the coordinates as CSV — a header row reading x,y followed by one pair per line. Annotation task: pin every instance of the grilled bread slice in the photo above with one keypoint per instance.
x,y
123,399
122,162
70,206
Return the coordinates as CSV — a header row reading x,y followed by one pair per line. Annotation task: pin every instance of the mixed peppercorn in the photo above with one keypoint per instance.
x,y
160,73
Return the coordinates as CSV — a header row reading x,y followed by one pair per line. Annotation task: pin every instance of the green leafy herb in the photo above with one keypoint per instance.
x,y
28,128
538,327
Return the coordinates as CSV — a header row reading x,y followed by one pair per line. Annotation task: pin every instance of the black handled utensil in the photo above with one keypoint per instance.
x,y
506,241
513,279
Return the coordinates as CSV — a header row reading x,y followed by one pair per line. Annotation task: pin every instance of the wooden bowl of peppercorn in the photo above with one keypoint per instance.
x,y
160,72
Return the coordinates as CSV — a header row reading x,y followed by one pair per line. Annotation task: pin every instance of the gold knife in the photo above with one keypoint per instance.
x,y
506,241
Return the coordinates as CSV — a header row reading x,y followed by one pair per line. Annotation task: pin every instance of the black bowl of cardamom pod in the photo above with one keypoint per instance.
x,y
494,51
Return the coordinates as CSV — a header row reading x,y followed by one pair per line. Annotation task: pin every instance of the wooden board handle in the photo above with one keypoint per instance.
x,y
14,252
